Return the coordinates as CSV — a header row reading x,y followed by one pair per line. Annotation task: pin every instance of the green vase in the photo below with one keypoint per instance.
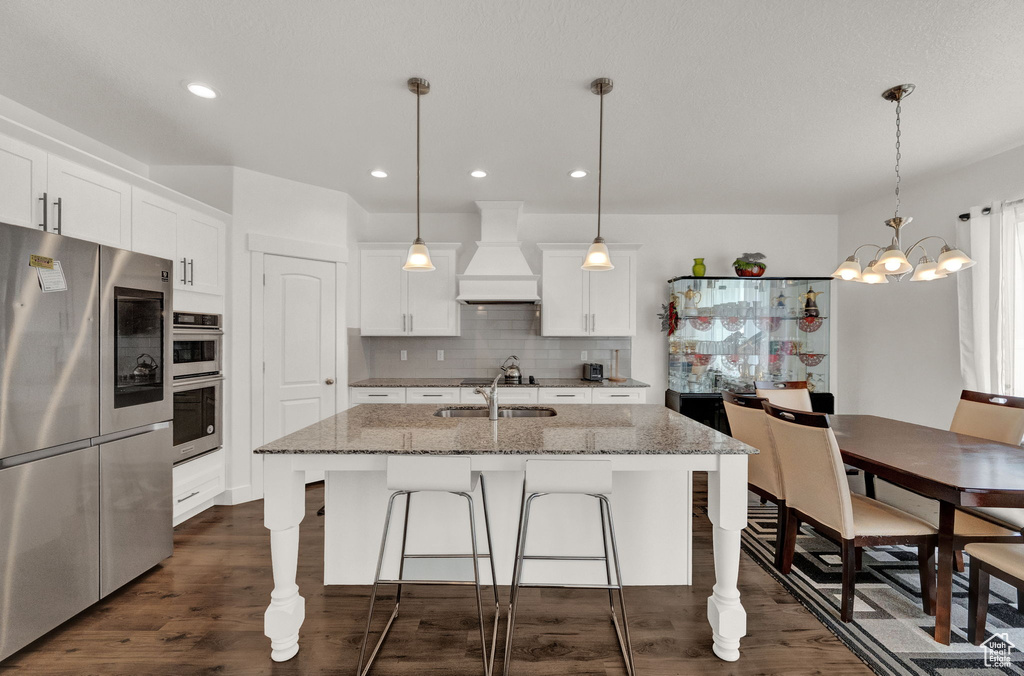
x,y
698,267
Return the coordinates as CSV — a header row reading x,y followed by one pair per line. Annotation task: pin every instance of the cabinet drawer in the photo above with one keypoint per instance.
x,y
432,395
378,395
620,395
506,395
197,481
563,395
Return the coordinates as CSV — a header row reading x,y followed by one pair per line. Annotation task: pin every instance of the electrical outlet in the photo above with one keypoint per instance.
x,y
583,355
440,355
405,355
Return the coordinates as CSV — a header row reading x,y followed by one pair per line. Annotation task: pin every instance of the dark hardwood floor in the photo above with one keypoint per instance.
x,y
201,612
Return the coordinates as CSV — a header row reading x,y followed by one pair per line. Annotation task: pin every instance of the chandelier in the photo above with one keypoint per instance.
x,y
894,260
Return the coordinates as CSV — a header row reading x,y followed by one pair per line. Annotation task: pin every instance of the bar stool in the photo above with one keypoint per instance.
x,y
581,477
417,474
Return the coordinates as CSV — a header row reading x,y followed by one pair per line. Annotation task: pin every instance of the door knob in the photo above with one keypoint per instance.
x,y
329,381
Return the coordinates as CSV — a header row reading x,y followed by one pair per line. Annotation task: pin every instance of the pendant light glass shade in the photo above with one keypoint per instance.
x,y
870,276
597,259
893,262
849,270
953,260
418,258
927,270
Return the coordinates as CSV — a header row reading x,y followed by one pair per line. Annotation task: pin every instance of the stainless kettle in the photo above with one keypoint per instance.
x,y
145,367
512,372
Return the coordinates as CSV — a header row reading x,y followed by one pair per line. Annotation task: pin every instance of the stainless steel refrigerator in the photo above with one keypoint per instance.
x,y
85,431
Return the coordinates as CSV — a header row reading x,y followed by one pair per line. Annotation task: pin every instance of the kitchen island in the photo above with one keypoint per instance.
x,y
635,438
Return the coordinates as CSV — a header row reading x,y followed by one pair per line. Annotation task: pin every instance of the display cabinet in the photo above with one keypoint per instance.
x,y
725,333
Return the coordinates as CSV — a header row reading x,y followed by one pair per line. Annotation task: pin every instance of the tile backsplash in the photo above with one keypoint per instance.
x,y
490,333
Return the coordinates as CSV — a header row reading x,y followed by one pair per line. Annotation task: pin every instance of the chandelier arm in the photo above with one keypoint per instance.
x,y
923,239
877,248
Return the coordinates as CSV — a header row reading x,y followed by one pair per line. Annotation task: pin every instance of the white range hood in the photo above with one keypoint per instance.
x,y
498,271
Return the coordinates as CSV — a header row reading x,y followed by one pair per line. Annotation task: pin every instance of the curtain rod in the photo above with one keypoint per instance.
x,y
987,210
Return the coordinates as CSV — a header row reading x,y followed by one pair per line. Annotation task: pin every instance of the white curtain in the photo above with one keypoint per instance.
x,y
991,300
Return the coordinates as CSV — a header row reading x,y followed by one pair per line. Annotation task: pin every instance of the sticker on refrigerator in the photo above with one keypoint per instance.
x,y
52,279
35,261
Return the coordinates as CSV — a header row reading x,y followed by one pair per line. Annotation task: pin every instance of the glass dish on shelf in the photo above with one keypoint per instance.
x,y
735,331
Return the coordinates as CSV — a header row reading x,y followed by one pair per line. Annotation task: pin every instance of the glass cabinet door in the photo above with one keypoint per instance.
x,y
139,369
731,332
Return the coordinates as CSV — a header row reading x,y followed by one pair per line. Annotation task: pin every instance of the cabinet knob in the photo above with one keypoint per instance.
x,y
329,381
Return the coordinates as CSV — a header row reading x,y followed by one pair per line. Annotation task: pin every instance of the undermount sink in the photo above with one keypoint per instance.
x,y
481,412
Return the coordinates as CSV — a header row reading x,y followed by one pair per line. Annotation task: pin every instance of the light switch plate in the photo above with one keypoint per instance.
x,y
405,355
583,355
440,355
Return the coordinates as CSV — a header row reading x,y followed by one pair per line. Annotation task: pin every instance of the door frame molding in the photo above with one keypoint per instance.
x,y
259,247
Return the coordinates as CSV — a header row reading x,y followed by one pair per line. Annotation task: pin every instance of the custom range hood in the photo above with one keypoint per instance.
x,y
498,271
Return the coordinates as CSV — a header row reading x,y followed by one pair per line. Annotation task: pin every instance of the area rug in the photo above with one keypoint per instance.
x,y
890,632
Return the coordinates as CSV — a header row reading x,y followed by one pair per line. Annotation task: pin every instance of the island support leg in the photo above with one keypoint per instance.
x,y
727,508
284,505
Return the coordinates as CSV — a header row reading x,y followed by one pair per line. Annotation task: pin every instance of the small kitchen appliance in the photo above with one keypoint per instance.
x,y
594,372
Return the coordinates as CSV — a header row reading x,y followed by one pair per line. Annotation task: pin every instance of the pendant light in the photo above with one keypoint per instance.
x,y
598,259
418,259
893,260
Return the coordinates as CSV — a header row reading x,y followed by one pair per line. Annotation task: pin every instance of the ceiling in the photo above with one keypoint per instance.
x,y
719,106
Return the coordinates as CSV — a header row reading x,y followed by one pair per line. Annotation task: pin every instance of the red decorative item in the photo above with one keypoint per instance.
x,y
702,359
701,323
732,323
673,317
735,359
810,324
811,359
755,271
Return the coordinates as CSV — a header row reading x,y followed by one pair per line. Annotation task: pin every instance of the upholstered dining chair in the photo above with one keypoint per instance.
x,y
1005,561
791,394
817,493
749,424
998,418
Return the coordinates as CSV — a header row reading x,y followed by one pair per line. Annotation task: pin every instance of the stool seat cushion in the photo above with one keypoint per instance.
x,y
592,477
431,473
1008,558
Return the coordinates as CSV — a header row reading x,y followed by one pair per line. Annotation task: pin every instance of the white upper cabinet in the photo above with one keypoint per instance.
x,y
22,184
193,241
575,302
394,302
87,204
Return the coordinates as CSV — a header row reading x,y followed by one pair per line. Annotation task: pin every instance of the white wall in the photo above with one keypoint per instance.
x,y
900,341
794,246
272,206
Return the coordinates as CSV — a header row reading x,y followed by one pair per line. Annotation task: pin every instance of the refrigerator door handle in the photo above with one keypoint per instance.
x,y
133,432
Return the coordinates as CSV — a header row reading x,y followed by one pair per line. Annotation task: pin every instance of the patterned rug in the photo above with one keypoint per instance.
x,y
890,632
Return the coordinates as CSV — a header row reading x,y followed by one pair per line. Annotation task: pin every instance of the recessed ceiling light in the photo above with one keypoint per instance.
x,y
579,173
478,173
379,173
203,91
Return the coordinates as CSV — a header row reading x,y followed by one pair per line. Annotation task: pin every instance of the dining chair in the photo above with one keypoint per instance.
x,y
1006,562
998,418
406,476
791,394
749,424
818,493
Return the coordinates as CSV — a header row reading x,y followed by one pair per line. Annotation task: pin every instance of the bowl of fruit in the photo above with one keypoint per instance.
x,y
749,265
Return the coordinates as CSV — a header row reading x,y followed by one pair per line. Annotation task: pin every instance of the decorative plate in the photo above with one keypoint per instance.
x,y
733,323
701,323
701,359
810,324
811,359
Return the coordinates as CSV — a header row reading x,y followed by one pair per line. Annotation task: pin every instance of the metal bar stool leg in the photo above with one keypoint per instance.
x,y
494,575
517,578
401,558
373,594
607,559
627,649
476,581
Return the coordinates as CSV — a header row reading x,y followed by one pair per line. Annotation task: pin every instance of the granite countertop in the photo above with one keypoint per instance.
x,y
457,382
630,429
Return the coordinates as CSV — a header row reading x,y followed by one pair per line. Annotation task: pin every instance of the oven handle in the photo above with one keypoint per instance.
x,y
196,332
187,383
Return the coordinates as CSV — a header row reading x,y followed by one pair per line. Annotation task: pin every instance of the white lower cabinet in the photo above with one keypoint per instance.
x,y
506,395
563,395
620,395
196,484
432,395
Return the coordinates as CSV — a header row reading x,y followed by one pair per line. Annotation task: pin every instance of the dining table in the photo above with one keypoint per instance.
x,y
957,470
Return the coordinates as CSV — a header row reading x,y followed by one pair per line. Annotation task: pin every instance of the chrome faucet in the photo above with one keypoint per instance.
x,y
491,397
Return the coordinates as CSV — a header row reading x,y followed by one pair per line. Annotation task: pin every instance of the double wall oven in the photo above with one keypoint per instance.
x,y
198,384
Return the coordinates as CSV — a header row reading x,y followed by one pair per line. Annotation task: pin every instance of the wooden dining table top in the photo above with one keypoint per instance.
x,y
944,465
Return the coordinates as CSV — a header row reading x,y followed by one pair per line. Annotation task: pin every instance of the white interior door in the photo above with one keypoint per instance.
x,y
299,344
